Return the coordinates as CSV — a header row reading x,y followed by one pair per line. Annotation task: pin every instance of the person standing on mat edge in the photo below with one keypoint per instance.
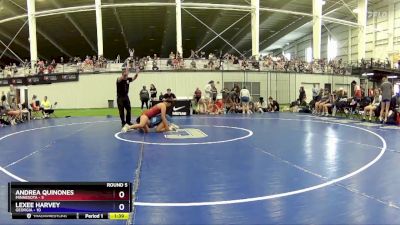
x,y
387,90
122,95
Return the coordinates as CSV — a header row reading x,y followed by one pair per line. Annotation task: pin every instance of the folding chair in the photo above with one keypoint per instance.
x,y
35,114
51,111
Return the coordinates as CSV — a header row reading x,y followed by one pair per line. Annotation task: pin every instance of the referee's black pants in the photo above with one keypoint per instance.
x,y
124,104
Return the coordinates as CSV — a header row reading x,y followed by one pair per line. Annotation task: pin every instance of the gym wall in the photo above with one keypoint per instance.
x,y
94,90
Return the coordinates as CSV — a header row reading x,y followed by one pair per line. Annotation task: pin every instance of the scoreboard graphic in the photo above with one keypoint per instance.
x,y
35,200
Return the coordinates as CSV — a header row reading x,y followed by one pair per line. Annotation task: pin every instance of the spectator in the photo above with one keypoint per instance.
x,y
208,93
319,106
153,92
302,95
245,99
131,53
144,97
11,94
13,114
46,107
169,95
315,93
197,95
236,93
35,104
273,105
387,90
193,64
357,92
328,104
370,109
261,106
155,65
214,92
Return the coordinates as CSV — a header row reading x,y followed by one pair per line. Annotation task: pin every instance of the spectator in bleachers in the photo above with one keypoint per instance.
x,y
155,64
387,90
370,109
193,64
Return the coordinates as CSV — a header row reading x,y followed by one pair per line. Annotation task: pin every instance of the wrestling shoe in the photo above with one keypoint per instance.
x,y
125,128
174,126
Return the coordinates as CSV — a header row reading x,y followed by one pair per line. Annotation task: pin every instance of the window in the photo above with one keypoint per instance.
x,y
332,48
309,55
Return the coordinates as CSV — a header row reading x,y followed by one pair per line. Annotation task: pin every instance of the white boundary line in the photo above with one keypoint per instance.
x,y
244,200
40,128
250,133
280,195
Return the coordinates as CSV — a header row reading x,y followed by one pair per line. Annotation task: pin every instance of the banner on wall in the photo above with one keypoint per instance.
x,y
40,79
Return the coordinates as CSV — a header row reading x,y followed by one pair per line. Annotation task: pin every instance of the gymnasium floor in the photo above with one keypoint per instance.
x,y
259,169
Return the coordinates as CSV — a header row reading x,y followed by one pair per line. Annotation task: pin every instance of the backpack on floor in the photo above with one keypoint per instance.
x,y
392,118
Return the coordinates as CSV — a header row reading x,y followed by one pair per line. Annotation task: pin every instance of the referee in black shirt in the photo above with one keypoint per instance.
x,y
122,96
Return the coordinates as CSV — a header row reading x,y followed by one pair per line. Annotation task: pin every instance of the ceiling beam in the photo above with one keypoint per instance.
x,y
61,49
76,25
298,23
116,14
281,33
19,43
41,32
10,56
164,51
281,5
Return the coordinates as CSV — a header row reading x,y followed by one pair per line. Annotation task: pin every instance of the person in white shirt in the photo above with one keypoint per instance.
x,y
315,93
245,99
261,105
370,109
208,91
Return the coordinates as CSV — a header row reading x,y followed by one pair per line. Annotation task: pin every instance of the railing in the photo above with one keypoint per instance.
x,y
187,65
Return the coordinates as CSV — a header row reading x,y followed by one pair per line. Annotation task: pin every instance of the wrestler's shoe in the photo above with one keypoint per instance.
x,y
125,128
173,127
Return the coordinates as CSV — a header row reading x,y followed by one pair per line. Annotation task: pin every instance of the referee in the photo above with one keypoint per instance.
x,y
122,96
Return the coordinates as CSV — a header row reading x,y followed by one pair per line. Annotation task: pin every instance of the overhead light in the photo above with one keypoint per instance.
x,y
323,2
392,77
367,74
